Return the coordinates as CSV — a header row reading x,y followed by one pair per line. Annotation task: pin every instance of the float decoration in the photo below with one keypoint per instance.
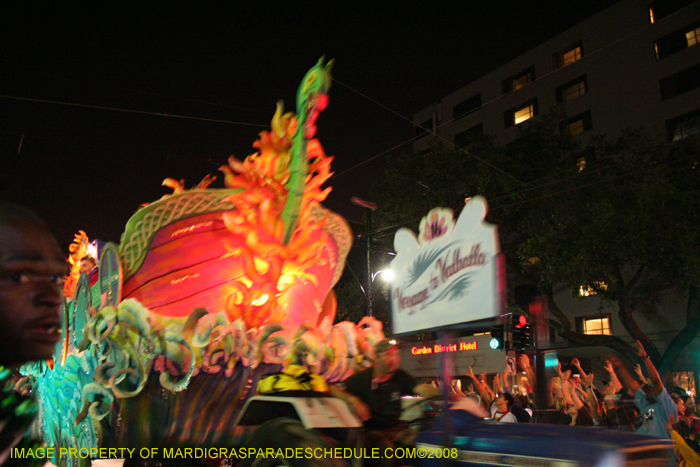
x,y
209,290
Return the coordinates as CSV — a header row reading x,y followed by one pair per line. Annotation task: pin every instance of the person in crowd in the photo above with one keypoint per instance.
x,y
502,404
32,270
653,400
487,396
374,396
687,455
88,266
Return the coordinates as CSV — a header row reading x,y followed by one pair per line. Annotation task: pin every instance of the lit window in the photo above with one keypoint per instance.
x,y
568,56
581,164
577,90
572,90
577,124
519,80
523,114
651,15
576,128
587,291
571,56
677,41
597,325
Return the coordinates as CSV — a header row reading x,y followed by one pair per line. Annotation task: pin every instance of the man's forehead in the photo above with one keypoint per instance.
x,y
28,241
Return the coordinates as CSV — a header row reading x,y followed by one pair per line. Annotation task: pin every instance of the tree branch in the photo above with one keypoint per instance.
x,y
636,277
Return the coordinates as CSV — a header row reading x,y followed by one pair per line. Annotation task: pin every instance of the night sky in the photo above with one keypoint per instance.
x,y
218,72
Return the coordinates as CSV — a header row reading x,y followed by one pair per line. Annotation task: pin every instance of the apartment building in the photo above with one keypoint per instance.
x,y
634,64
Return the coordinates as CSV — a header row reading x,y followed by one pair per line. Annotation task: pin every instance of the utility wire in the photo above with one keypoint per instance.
x,y
492,101
413,139
141,112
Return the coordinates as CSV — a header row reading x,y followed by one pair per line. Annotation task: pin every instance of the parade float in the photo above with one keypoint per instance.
x,y
208,291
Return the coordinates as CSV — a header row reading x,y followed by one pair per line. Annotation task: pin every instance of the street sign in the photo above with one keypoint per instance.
x,y
510,365
449,274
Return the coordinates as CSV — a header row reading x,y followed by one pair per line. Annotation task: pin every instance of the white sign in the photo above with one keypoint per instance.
x,y
448,274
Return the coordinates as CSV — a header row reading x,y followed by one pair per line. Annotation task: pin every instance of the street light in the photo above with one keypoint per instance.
x,y
388,275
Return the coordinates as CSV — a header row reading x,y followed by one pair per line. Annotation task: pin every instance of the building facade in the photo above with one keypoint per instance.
x,y
634,64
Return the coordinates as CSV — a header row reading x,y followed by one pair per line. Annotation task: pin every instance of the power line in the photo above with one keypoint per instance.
x,y
492,101
413,139
141,112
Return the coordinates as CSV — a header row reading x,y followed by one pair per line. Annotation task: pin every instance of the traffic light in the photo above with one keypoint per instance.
x,y
521,332
497,337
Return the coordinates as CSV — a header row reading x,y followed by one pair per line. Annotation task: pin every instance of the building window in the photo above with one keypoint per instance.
x,y
521,113
683,126
577,124
568,56
680,83
524,113
424,128
463,138
519,80
692,36
660,9
467,106
573,89
678,40
595,325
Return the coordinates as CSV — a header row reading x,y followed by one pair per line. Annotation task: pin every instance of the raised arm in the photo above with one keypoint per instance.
x,y
654,377
577,364
481,387
524,361
629,382
613,377
591,399
640,374
497,388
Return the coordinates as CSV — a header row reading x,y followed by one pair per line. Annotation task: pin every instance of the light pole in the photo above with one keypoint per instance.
x,y
386,274
369,207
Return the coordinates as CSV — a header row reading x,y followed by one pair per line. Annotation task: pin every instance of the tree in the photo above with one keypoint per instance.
x,y
621,217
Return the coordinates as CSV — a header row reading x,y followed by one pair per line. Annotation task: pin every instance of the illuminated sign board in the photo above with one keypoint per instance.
x,y
449,273
437,348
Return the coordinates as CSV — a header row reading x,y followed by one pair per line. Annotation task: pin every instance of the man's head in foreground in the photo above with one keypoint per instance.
x,y
32,269
388,358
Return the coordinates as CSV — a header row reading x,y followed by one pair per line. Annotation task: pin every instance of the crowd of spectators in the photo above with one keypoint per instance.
x,y
634,400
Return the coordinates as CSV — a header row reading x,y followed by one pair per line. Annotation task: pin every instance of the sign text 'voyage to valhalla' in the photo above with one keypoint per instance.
x,y
445,268
448,274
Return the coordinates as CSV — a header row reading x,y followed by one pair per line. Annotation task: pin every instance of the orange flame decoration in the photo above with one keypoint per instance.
x,y
272,267
78,250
